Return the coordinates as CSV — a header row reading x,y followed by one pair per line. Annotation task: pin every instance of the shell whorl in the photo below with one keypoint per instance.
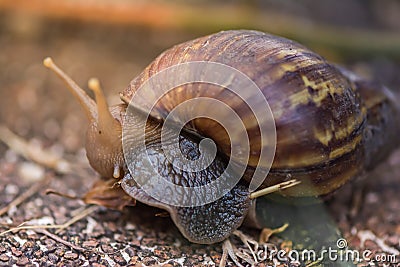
x,y
319,114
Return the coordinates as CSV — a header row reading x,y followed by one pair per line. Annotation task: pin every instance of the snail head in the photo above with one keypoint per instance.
x,y
104,134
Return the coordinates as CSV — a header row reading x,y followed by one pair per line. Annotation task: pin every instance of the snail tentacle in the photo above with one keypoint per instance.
x,y
103,138
86,102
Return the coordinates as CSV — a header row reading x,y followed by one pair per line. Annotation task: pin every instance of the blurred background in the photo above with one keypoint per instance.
x,y
115,40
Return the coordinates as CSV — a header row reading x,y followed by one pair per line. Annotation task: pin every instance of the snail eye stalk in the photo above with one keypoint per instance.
x,y
107,125
86,102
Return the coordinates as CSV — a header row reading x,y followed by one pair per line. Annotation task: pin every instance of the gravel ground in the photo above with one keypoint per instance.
x,y
104,238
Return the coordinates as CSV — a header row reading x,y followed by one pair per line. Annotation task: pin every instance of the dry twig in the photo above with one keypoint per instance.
x,y
78,217
36,187
59,239
60,227
33,153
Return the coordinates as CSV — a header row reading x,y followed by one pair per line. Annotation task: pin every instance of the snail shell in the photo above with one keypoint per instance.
x,y
319,112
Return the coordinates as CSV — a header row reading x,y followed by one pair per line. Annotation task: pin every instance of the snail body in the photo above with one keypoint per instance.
x,y
331,126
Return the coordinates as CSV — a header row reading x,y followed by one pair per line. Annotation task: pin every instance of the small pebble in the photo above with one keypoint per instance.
x,y
11,189
38,254
28,244
4,257
130,251
16,252
14,243
70,255
134,260
216,257
22,261
94,258
119,259
107,249
90,243
59,252
149,261
30,172
53,257
160,253
50,243
32,235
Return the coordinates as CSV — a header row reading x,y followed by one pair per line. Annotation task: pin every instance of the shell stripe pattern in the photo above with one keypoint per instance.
x,y
318,112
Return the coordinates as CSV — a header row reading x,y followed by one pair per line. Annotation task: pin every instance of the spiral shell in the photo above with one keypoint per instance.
x,y
318,113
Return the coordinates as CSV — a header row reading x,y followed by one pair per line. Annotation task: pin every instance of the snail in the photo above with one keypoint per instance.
x,y
331,126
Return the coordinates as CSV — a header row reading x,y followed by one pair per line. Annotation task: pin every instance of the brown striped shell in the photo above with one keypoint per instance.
x,y
319,115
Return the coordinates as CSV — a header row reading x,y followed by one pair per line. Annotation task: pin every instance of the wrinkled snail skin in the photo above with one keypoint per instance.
x,y
331,127
205,224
